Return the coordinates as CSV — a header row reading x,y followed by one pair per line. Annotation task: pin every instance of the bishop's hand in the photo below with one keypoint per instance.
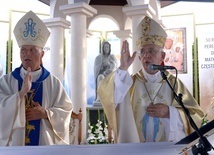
x,y
26,85
125,59
159,110
36,112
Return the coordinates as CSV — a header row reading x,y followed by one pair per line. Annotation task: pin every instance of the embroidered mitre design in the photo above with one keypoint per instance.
x,y
150,32
30,30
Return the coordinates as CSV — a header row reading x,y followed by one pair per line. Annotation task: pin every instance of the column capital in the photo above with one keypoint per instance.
x,y
123,34
89,34
145,10
57,22
136,2
76,8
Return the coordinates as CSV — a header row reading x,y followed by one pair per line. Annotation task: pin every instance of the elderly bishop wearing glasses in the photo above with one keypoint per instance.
x,y
141,107
34,107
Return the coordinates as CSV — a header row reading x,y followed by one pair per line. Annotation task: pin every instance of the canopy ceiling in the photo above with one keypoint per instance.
x,y
115,2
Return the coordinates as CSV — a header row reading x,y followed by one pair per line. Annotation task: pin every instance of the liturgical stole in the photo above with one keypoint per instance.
x,y
35,94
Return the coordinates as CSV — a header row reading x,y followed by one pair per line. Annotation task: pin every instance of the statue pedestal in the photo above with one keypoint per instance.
x,y
97,104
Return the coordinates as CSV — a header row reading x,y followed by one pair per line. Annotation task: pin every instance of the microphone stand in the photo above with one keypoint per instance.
x,y
204,145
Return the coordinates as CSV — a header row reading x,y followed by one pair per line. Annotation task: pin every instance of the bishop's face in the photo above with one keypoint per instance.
x,y
31,56
151,54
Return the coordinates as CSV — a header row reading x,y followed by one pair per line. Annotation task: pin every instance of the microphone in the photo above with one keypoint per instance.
x,y
159,67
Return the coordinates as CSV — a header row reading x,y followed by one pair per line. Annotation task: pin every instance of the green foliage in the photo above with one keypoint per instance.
x,y
204,120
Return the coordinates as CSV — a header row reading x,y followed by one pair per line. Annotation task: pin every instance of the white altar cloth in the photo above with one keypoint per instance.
x,y
158,148
100,149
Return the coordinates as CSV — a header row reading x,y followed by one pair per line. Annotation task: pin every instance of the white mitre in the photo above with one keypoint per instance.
x,y
30,30
150,32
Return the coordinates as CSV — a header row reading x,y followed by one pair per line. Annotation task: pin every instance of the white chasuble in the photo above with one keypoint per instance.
x,y
53,131
149,128
126,98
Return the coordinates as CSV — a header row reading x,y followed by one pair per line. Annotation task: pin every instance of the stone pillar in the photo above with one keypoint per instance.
x,y
77,57
57,26
137,13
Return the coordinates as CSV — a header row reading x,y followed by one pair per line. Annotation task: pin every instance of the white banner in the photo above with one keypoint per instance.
x,y
206,72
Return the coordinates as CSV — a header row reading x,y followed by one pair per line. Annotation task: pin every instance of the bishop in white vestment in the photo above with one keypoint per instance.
x,y
34,106
142,107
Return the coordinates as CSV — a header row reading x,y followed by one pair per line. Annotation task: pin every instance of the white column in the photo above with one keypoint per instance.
x,y
77,58
123,35
57,26
137,13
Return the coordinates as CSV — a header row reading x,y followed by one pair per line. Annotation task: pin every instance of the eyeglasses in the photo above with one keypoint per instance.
x,y
151,51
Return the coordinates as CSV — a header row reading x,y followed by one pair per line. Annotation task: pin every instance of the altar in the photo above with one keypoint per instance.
x,y
100,149
158,148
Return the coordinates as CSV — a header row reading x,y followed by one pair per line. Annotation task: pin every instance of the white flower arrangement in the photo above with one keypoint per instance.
x,y
97,133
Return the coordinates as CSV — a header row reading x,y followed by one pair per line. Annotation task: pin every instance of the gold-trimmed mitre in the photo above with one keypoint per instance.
x,y
30,30
150,32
